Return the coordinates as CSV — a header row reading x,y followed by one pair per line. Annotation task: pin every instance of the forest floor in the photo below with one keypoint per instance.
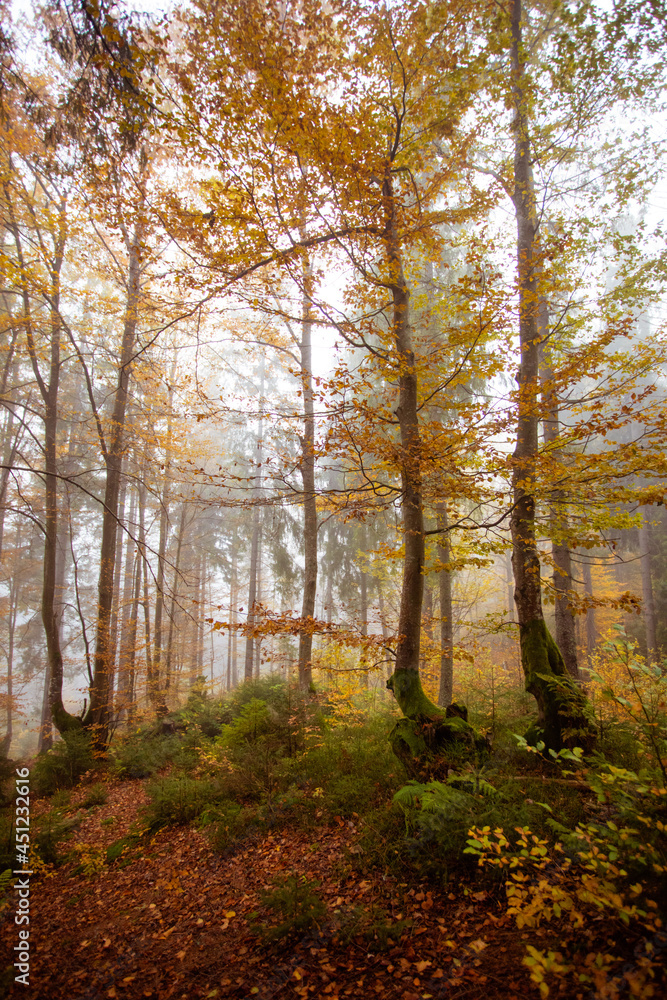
x,y
172,918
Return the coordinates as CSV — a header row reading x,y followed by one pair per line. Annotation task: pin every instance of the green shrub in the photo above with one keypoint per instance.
x,y
61,799
438,816
7,851
96,795
50,832
180,800
372,925
63,765
294,904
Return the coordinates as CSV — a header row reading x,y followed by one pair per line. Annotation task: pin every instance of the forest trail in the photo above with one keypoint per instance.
x,y
172,918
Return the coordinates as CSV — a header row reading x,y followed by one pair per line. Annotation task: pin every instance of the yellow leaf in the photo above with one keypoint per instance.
x,y
229,914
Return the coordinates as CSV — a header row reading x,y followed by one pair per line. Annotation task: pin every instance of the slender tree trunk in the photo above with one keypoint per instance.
x,y
591,629
98,715
151,686
563,719
115,606
255,540
174,598
128,618
162,547
445,691
363,605
200,614
566,635
405,682
258,639
652,655
6,743
308,479
234,589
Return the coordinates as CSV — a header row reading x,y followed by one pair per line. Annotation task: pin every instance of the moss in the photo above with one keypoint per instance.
x,y
427,740
409,693
565,718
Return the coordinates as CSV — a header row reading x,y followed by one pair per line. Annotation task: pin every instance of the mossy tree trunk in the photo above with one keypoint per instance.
x,y
563,716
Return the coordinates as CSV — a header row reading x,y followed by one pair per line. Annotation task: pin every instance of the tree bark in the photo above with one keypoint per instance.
x,y
405,682
174,598
652,655
254,544
563,719
49,393
99,711
128,619
446,687
363,606
308,478
566,633
591,629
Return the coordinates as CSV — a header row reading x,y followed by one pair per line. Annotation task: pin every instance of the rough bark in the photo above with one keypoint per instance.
x,y
563,716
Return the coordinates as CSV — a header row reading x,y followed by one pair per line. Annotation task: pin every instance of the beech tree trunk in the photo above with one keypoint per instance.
x,y
363,606
48,389
99,711
128,619
446,687
647,589
162,554
563,716
591,628
307,465
566,633
254,543
174,599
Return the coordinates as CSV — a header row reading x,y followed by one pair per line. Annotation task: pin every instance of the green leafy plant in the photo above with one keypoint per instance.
x,y
63,765
96,795
179,800
295,906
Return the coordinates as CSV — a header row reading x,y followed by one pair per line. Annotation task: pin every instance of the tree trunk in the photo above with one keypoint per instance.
x,y
308,478
258,638
446,622
405,682
363,605
563,719
128,618
591,629
254,544
98,715
652,655
566,634
162,545
174,598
